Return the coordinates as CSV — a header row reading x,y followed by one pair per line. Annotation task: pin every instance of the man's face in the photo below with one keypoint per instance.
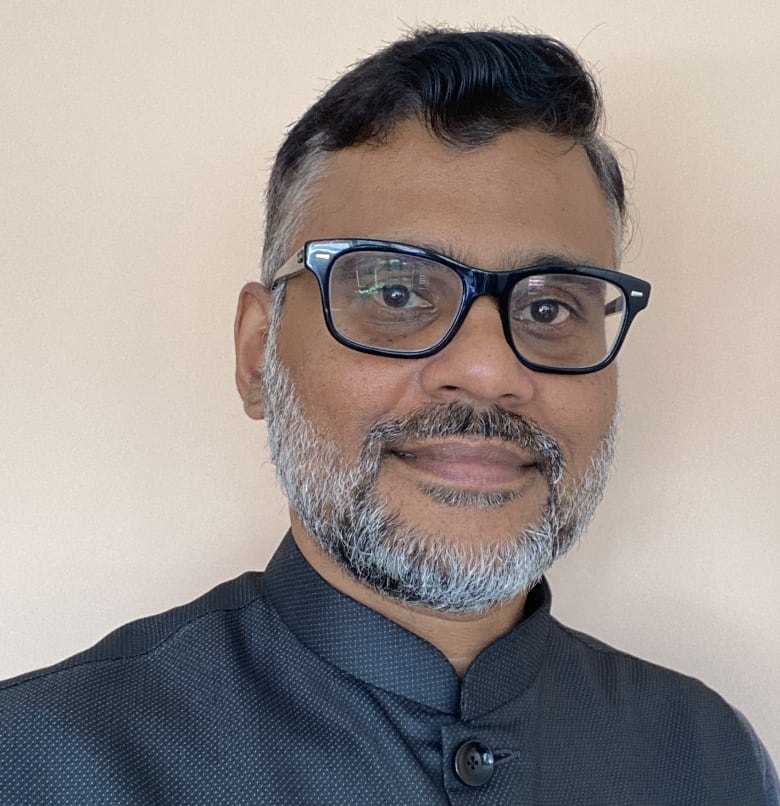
x,y
496,207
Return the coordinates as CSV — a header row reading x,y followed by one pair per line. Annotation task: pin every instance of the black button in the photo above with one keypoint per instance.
x,y
474,763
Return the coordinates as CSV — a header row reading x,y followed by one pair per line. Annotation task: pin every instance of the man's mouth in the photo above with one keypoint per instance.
x,y
482,464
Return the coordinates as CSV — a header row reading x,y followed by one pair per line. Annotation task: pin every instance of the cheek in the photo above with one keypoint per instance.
x,y
582,413
345,396
343,391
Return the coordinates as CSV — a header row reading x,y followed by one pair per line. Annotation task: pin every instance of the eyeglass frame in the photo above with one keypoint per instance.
x,y
318,257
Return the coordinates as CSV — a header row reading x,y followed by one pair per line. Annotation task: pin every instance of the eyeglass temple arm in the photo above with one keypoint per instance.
x,y
617,305
295,265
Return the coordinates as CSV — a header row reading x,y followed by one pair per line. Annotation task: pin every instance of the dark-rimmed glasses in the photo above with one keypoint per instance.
x,y
405,301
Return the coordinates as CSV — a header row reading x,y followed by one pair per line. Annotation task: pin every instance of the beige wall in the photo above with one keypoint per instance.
x,y
136,140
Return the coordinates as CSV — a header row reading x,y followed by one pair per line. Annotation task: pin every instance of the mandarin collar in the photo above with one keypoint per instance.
x,y
376,650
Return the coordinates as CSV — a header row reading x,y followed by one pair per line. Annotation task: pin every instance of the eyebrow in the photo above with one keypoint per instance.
x,y
520,259
539,258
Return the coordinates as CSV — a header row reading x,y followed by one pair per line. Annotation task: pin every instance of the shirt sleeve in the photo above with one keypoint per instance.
x,y
771,783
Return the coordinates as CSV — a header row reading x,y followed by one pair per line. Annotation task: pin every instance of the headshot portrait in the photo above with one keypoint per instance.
x,y
390,404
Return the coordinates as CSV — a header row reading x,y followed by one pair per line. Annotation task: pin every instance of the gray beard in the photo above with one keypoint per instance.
x,y
338,504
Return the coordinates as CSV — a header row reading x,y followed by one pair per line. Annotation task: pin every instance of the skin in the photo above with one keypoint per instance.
x,y
496,207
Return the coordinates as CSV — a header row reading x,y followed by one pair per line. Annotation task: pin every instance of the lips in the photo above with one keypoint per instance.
x,y
468,463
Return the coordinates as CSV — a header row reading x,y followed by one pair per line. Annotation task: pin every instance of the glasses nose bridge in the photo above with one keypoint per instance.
x,y
483,283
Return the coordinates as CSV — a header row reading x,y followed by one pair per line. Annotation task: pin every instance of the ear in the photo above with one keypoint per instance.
x,y
250,333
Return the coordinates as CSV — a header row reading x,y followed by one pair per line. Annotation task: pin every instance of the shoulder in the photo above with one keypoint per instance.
x,y
684,721
151,636
670,705
619,674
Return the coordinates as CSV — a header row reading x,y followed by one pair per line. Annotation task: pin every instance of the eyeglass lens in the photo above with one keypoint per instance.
x,y
406,303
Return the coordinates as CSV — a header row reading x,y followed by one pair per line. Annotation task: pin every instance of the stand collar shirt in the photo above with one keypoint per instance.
x,y
369,647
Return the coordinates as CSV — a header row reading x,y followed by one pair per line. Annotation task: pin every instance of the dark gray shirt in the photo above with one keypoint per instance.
x,y
276,689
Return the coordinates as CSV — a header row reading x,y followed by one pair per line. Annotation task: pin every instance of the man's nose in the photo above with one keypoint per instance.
x,y
478,364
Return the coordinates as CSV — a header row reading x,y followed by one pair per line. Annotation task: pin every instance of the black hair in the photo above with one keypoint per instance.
x,y
467,88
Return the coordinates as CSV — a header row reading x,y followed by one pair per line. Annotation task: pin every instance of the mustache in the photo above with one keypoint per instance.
x,y
458,419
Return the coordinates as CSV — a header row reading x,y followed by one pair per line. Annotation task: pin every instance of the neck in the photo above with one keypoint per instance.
x,y
460,638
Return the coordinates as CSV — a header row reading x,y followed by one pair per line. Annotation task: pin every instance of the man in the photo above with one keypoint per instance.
x,y
433,349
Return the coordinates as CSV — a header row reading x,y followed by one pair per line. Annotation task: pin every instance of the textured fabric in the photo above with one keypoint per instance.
x,y
276,689
771,780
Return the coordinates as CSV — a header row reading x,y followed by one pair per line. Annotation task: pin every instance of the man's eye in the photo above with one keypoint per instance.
x,y
396,296
545,312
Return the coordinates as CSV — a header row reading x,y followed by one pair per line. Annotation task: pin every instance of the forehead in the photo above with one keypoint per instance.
x,y
525,193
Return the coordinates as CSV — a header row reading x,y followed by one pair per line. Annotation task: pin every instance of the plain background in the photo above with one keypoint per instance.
x,y
136,139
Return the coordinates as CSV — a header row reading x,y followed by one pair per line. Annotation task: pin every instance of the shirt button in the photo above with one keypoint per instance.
x,y
474,763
